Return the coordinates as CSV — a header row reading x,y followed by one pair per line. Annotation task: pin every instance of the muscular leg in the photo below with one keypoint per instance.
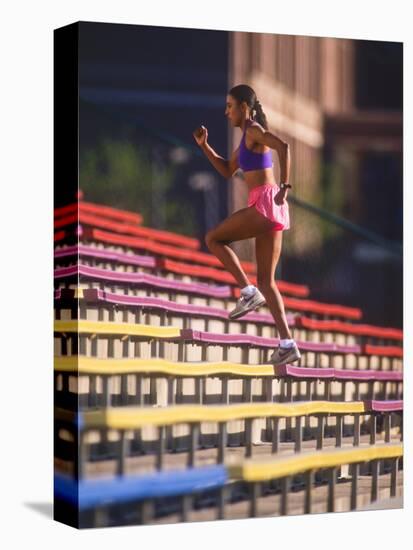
x,y
267,250
243,224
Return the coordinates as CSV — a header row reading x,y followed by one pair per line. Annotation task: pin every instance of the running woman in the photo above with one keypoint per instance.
x,y
265,217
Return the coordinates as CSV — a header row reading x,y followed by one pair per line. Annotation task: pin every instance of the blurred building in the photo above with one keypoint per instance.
x,y
338,103
151,86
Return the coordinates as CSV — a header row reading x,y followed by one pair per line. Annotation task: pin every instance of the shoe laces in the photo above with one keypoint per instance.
x,y
244,298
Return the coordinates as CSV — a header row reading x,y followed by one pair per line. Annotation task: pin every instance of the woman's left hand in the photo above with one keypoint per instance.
x,y
280,197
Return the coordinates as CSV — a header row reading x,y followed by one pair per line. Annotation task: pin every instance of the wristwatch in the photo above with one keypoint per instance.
x,y
284,185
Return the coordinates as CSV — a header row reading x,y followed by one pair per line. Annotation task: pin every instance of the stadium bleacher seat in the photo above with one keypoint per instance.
x,y
167,410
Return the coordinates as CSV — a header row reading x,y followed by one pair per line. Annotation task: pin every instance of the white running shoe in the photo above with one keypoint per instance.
x,y
246,304
282,356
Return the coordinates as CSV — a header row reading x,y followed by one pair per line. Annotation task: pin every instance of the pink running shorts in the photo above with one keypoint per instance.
x,y
262,197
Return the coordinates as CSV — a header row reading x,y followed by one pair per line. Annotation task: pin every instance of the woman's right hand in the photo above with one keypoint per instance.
x,y
201,135
280,197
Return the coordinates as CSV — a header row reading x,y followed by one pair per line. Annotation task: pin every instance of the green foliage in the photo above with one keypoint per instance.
x,y
119,174
332,197
180,217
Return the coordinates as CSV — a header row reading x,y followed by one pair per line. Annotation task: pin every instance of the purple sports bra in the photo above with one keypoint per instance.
x,y
248,160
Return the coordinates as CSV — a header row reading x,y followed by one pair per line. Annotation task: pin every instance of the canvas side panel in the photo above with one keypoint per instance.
x,y
66,155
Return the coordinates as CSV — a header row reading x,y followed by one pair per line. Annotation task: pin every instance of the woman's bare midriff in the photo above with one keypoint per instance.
x,y
254,178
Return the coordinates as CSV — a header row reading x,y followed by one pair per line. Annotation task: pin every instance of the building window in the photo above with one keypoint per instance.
x,y
379,75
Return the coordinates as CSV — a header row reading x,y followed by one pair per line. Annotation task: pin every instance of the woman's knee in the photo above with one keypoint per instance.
x,y
210,239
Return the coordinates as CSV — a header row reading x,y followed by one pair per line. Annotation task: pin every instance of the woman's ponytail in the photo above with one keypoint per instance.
x,y
259,115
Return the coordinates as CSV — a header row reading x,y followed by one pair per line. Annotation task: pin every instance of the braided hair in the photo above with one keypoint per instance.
x,y
243,92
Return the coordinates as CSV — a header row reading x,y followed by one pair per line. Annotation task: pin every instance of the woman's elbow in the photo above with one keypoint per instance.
x,y
228,172
225,174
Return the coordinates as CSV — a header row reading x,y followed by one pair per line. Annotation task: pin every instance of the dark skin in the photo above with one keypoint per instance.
x,y
248,222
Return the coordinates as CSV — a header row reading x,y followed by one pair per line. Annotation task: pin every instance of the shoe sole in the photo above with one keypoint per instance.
x,y
245,311
286,361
